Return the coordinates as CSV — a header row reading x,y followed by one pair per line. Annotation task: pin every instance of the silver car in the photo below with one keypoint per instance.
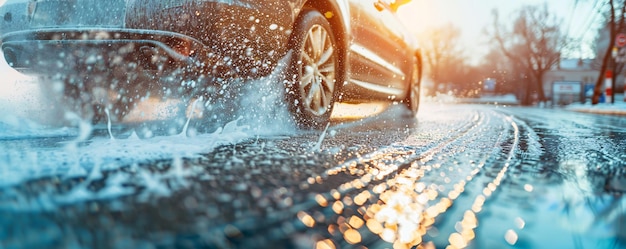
x,y
327,51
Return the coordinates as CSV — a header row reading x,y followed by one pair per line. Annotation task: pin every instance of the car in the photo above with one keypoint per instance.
x,y
111,55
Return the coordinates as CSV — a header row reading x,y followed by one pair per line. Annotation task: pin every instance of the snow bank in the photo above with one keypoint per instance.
x,y
618,108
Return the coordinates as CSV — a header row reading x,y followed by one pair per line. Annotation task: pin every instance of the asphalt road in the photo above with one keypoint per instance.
x,y
457,175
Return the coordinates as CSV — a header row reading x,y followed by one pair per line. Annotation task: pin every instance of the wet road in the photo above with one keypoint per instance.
x,y
463,176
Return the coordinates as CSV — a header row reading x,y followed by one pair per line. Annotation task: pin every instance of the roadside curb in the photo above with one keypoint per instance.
x,y
618,109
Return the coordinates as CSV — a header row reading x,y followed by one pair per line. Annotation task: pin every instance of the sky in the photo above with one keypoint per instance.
x,y
471,16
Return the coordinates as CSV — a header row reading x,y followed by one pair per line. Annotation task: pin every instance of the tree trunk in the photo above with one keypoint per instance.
x,y
542,95
529,90
618,67
539,82
597,90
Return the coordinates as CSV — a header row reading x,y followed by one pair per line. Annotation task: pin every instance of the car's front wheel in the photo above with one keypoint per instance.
x,y
412,100
313,71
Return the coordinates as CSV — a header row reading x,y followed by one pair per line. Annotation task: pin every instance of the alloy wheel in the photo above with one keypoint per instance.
x,y
317,82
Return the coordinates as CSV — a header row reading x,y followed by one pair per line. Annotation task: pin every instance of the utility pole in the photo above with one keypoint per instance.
x,y
611,53
597,90
620,50
614,73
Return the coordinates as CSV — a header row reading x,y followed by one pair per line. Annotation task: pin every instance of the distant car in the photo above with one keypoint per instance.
x,y
333,50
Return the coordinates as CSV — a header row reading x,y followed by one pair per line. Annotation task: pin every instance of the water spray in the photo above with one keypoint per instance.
x,y
106,110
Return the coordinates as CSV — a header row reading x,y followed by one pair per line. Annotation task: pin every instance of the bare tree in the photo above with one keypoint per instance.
x,y
496,66
441,52
534,42
613,28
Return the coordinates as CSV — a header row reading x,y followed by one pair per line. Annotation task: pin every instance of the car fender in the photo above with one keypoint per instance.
x,y
344,9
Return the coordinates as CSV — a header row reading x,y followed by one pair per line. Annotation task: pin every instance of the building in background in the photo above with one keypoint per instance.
x,y
563,76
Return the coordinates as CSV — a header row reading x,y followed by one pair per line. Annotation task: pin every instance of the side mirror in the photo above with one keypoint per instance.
x,y
397,3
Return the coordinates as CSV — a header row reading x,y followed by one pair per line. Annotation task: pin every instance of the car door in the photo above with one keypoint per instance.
x,y
380,58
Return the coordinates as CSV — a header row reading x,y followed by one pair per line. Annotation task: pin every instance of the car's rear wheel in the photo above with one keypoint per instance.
x,y
412,99
313,71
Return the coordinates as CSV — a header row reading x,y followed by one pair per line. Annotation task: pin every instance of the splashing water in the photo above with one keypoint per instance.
x,y
32,159
106,110
191,115
318,145
32,151
262,103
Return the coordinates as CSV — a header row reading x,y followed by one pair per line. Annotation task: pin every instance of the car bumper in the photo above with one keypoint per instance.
x,y
48,51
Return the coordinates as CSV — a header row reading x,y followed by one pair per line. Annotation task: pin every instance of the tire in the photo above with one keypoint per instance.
x,y
313,71
412,100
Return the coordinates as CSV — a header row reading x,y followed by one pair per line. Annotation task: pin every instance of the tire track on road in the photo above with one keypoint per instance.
x,y
352,180
408,177
440,200
465,227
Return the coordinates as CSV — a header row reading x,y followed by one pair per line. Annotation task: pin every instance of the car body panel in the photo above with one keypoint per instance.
x,y
229,28
380,43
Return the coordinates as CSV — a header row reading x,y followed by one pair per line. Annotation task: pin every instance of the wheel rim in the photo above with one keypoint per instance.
x,y
317,82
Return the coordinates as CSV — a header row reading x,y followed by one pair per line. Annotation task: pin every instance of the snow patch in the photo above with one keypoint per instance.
x,y
617,108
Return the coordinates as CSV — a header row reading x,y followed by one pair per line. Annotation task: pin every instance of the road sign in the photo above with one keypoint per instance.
x,y
620,40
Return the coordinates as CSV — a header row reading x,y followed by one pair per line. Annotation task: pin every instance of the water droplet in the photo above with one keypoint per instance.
x,y
355,222
352,236
511,237
338,207
528,188
306,219
325,244
457,240
374,226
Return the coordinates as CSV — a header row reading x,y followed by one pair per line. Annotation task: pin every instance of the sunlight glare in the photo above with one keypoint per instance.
x,y
357,111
